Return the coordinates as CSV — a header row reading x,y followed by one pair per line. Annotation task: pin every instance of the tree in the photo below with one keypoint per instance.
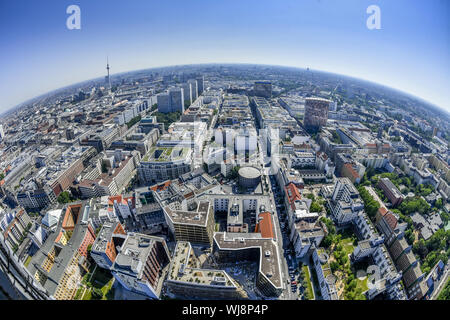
x,y
438,204
310,196
329,224
445,293
64,197
445,216
411,205
409,235
234,172
370,205
315,207
334,265
420,248
327,241
133,121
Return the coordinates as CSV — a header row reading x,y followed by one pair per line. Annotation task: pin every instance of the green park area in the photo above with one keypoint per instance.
x,y
96,285
339,246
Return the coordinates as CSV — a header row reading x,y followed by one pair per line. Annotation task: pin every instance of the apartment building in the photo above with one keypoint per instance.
x,y
406,262
109,239
164,163
186,278
327,281
345,203
141,264
62,260
232,247
120,166
391,191
15,226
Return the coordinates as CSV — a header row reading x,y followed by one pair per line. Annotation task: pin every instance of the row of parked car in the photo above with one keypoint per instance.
x,y
288,252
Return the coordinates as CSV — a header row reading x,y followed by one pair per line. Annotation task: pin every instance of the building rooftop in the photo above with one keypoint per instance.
x,y
269,264
166,154
185,268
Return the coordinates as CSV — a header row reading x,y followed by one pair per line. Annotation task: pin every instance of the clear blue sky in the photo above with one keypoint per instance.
x,y
411,52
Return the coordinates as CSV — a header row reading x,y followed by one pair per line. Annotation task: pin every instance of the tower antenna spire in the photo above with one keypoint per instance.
x,y
108,78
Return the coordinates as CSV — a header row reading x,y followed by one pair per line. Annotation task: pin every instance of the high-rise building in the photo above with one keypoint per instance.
x,y
141,264
316,113
109,239
200,84
70,135
193,223
171,101
187,92
2,133
194,89
263,89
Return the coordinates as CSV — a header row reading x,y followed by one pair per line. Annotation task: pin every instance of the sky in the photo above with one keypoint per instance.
x,y
38,53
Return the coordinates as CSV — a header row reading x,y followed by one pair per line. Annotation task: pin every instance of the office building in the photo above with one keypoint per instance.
x,y
171,101
141,264
316,113
345,203
194,89
263,89
108,241
200,84
186,278
164,163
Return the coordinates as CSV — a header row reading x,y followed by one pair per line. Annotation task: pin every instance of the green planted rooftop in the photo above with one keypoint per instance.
x,y
164,154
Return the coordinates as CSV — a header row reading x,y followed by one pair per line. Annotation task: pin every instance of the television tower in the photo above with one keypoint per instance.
x,y
108,78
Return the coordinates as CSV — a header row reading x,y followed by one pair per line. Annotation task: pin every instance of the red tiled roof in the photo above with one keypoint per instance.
x,y
162,186
294,194
382,211
391,220
265,225
114,198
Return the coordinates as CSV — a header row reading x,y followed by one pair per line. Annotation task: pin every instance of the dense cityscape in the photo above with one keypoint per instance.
x,y
225,181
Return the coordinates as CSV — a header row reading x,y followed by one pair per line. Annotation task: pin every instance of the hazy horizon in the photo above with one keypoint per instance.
x,y
99,78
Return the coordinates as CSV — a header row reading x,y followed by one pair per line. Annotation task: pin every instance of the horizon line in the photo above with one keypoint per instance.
x,y
423,100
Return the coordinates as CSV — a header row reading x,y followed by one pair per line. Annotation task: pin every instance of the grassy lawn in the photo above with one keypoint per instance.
x,y
348,246
345,270
308,281
101,279
362,284
87,295
108,294
78,294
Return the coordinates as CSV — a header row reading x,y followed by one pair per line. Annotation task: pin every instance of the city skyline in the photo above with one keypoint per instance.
x,y
401,55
